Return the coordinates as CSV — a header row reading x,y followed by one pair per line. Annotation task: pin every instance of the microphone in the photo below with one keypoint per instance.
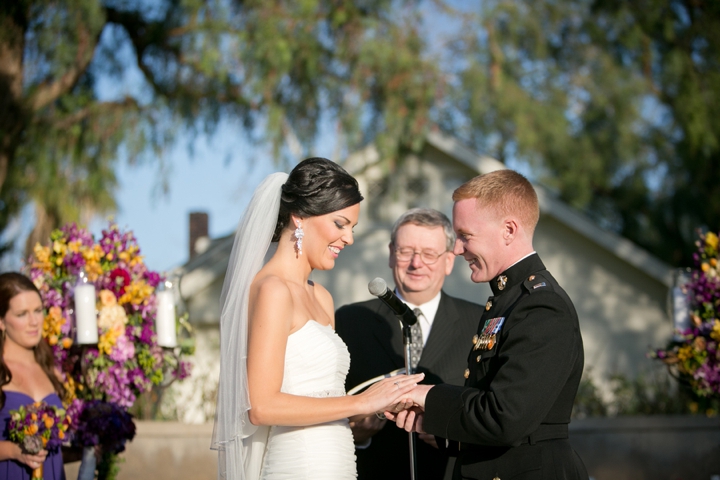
x,y
379,288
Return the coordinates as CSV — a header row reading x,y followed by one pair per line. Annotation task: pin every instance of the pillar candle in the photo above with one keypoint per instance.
x,y
165,319
85,316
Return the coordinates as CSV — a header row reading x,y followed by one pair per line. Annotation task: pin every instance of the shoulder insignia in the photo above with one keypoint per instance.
x,y
536,282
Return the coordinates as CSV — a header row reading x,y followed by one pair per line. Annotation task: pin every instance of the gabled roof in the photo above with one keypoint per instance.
x,y
202,270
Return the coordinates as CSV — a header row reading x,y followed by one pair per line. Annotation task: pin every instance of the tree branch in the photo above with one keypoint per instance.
x,y
105,107
48,92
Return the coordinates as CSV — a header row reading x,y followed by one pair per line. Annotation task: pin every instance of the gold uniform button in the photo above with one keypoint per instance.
x,y
478,358
488,305
531,278
467,373
496,478
475,339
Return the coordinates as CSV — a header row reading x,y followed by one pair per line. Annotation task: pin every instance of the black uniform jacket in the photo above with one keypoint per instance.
x,y
374,338
510,419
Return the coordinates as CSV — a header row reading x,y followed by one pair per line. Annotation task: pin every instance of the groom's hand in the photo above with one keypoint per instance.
x,y
409,420
365,428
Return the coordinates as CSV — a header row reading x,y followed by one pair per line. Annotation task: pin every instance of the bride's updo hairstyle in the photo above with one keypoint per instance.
x,y
316,186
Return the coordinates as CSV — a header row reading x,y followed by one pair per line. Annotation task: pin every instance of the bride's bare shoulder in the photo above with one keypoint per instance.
x,y
267,283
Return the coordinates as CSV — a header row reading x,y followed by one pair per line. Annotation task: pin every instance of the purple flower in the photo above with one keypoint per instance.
x,y
103,423
124,349
153,278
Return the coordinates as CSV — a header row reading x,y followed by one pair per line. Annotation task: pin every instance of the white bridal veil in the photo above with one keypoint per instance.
x,y
241,444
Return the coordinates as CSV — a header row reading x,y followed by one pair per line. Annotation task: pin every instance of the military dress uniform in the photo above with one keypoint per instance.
x,y
510,419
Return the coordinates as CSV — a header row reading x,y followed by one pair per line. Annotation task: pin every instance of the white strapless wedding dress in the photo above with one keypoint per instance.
x,y
316,363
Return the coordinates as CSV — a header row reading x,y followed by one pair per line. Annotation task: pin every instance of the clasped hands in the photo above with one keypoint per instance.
x,y
408,414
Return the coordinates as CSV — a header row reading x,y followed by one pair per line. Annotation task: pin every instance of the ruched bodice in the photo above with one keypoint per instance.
x,y
316,363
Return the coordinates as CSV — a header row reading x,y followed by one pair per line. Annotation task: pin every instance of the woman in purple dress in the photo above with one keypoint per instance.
x,y
27,374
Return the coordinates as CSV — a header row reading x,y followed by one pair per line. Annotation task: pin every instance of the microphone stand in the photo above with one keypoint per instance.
x,y
412,438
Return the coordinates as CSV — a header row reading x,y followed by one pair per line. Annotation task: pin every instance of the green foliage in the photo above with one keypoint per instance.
x,y
609,103
278,66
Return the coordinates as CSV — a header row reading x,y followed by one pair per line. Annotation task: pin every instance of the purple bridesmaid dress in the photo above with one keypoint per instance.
x,y
12,470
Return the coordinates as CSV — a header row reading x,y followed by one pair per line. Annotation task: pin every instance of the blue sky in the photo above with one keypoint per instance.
x,y
218,178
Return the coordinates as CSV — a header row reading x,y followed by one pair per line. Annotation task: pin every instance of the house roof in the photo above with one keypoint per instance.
x,y
202,270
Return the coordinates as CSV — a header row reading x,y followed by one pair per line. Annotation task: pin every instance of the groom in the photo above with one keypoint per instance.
x,y
523,370
420,258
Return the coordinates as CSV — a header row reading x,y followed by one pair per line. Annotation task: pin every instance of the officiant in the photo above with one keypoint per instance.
x,y
420,258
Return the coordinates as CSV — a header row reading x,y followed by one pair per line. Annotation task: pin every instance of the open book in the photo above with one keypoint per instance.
x,y
359,388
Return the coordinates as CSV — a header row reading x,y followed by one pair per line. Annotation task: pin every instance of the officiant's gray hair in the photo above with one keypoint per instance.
x,y
426,217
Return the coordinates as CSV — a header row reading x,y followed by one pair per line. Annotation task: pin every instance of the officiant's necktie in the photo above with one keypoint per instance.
x,y
416,337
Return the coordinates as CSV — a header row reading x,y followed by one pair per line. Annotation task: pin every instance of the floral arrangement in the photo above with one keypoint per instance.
x,y
127,360
694,354
38,426
101,423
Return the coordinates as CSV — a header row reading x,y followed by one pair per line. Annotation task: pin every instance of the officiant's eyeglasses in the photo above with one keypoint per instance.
x,y
428,257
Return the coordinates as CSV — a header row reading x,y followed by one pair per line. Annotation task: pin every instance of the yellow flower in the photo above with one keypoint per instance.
x,y
715,334
42,254
49,422
136,293
70,394
137,260
93,270
713,262
93,254
74,246
704,267
66,343
52,323
124,256
685,353
712,240
60,249
31,429
108,339
107,298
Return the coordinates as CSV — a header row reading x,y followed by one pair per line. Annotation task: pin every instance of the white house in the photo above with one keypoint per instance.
x,y
619,290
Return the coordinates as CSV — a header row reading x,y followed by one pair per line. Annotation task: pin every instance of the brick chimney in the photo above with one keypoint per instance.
x,y
199,238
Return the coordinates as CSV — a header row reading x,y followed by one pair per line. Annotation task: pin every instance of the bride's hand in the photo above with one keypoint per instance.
x,y
389,393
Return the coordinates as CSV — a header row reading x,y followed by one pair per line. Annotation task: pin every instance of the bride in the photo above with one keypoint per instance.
x,y
282,411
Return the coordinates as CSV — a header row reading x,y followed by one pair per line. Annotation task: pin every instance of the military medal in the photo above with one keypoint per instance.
x,y
488,336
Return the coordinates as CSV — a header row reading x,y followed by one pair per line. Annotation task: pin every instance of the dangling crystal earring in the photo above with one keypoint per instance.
x,y
299,234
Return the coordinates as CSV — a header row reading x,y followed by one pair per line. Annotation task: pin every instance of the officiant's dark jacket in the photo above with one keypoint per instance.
x,y
510,419
374,338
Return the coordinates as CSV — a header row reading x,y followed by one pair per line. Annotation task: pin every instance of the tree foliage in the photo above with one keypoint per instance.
x,y
609,103
278,66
